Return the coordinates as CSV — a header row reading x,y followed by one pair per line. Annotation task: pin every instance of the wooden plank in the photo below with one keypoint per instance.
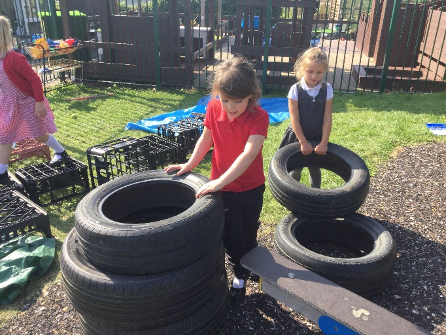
x,y
203,51
117,45
283,3
259,50
436,52
435,34
141,73
280,66
432,66
319,299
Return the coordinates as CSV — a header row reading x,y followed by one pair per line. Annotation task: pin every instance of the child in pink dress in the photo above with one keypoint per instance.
x,y
24,111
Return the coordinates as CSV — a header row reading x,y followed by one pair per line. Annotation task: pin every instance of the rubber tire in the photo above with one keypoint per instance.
x,y
140,302
148,222
311,202
364,275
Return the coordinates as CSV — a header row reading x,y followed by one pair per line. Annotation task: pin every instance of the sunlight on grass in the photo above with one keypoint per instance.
x,y
373,126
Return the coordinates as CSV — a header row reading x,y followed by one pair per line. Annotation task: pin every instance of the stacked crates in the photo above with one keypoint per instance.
x,y
128,155
19,215
185,132
45,184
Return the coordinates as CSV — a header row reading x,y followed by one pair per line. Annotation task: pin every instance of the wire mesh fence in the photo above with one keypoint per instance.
x,y
372,45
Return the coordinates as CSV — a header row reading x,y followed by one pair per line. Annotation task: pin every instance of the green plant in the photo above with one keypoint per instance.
x,y
373,126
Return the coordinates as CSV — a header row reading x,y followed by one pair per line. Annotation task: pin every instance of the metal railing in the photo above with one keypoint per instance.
x,y
372,46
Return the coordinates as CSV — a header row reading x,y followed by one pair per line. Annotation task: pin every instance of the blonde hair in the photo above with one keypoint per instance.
x,y
309,56
5,36
237,79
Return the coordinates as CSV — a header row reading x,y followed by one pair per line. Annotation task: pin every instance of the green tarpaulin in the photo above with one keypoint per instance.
x,y
22,259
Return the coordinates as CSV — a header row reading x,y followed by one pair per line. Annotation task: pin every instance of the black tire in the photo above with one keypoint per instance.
x,y
148,222
367,273
312,202
140,302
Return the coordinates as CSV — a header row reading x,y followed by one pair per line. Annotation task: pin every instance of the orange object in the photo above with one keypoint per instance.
x,y
42,42
62,44
35,52
28,148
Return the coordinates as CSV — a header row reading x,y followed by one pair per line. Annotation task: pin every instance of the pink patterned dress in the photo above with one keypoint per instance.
x,y
17,118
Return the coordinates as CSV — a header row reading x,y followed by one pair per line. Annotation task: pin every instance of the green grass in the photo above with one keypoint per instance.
x,y
373,126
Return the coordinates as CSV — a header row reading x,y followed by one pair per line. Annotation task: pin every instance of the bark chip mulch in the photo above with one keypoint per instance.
x,y
408,196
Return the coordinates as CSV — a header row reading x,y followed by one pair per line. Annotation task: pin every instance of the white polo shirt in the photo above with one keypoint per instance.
x,y
313,92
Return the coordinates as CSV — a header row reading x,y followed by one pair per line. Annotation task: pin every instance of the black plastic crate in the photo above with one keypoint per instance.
x,y
19,216
128,155
158,151
12,184
45,184
185,132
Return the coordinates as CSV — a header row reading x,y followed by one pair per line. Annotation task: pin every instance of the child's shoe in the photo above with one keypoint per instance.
x,y
4,178
58,158
236,294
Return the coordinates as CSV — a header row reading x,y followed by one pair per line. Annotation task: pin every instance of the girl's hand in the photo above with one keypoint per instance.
x,y
306,148
209,187
182,168
321,149
40,110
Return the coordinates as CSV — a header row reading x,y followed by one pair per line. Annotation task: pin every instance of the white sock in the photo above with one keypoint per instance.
x,y
54,144
238,283
3,167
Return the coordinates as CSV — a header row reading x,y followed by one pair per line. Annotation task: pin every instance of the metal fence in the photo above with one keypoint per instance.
x,y
372,45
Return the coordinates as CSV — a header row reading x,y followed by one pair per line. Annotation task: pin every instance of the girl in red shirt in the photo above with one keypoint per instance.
x,y
236,127
24,111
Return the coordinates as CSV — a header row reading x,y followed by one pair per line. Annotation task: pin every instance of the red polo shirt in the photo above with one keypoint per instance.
x,y
230,138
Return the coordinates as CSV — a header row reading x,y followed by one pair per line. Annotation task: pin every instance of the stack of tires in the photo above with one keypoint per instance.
x,y
321,216
147,257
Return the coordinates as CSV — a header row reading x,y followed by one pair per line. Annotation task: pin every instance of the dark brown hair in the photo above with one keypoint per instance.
x,y
237,79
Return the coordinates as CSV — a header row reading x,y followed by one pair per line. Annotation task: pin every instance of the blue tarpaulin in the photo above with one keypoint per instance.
x,y
437,129
277,109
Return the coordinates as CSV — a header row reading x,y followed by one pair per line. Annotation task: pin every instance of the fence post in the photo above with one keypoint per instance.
x,y
389,45
156,42
52,6
266,47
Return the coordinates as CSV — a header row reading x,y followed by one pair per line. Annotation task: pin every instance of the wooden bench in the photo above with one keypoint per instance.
x,y
335,309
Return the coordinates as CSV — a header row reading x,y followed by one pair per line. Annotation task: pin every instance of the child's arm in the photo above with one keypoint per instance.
x,y
293,107
322,147
252,148
203,145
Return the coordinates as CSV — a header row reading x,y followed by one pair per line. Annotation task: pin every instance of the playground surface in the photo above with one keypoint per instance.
x,y
407,196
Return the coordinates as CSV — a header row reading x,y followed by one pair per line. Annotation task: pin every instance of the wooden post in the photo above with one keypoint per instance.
x,y
188,43
104,16
174,56
211,13
237,23
65,18
203,13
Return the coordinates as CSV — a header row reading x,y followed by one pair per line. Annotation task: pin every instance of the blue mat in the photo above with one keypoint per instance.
x,y
437,129
277,109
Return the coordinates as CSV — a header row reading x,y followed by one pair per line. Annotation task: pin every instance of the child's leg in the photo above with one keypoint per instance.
x,y
241,224
59,152
315,177
5,154
252,206
296,174
234,233
50,141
